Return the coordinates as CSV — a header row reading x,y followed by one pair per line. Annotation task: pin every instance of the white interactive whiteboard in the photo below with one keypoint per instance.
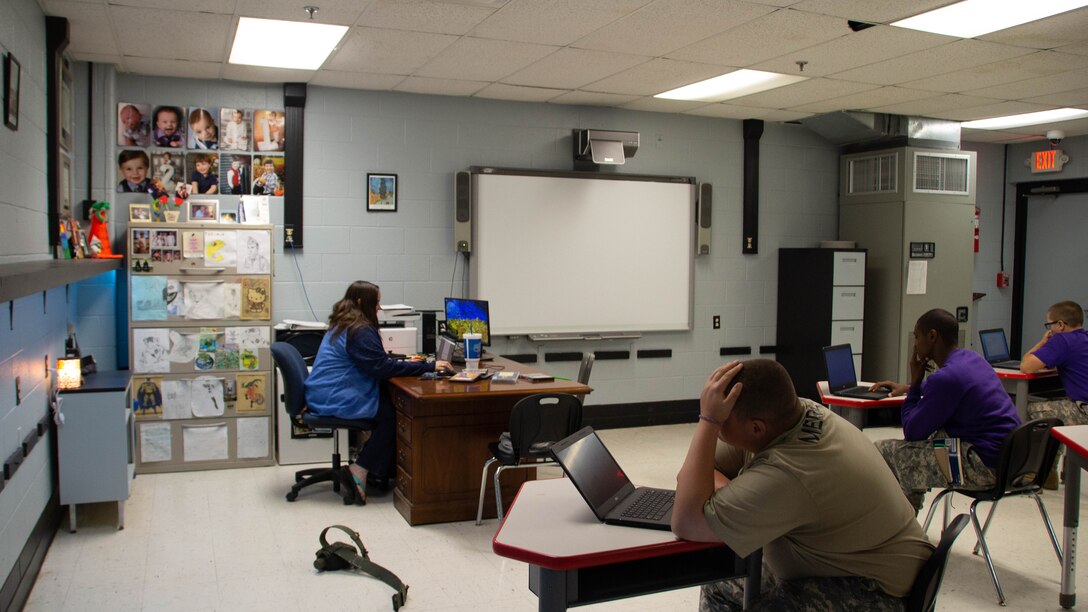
x,y
570,253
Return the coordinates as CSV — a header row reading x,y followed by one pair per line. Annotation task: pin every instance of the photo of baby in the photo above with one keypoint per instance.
x,y
203,130
133,125
203,173
132,167
268,130
236,177
168,168
234,132
169,129
270,175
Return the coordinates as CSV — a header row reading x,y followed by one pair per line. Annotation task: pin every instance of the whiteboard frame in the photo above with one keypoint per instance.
x,y
589,330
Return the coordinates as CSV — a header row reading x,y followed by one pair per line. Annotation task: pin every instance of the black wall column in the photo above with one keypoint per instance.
x,y
294,102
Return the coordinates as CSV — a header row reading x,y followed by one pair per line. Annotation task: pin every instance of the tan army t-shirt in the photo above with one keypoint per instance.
x,y
821,502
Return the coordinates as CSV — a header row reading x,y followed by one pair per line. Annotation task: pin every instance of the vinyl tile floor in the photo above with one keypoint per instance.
x,y
227,540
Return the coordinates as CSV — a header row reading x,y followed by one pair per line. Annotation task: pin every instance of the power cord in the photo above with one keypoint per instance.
x,y
289,239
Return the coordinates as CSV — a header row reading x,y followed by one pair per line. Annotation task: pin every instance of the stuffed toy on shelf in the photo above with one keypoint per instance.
x,y
100,238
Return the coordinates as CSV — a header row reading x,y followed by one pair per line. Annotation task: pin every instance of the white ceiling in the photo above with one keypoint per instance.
x,y
621,52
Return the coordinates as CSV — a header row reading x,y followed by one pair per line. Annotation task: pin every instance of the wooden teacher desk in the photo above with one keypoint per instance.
x,y
443,429
575,560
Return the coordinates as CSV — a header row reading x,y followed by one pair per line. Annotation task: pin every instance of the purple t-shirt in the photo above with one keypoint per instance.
x,y
1068,351
965,398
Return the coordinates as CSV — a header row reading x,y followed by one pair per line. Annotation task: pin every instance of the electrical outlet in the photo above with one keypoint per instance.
x,y
717,321
289,234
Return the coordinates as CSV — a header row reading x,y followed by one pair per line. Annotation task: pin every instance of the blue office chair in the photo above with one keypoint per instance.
x,y
293,368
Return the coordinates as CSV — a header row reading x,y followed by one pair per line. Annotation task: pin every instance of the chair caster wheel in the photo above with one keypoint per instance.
x,y
292,496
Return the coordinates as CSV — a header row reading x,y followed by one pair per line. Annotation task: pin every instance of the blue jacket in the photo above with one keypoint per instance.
x,y
348,371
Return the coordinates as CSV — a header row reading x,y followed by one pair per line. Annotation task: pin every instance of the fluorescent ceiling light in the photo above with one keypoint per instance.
x,y
1012,121
303,45
738,83
972,18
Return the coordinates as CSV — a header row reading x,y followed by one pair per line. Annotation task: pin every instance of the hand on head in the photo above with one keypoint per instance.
x,y
714,402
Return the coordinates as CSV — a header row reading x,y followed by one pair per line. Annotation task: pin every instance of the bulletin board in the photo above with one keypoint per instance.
x,y
583,252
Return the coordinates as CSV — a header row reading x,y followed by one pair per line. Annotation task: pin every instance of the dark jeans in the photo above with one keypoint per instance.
x,y
376,457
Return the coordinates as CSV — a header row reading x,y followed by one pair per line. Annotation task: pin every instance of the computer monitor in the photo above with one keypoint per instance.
x,y
465,316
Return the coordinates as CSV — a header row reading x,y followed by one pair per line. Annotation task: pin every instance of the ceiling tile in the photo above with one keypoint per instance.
x,y
174,68
1039,86
355,80
654,77
1076,49
424,16
857,49
590,98
661,105
97,58
1077,98
870,11
501,91
864,100
999,136
957,55
441,87
986,111
387,51
1055,31
805,92
732,111
159,33
90,29
222,7
553,22
571,68
334,12
769,36
479,59
667,25
926,107
261,74
1037,64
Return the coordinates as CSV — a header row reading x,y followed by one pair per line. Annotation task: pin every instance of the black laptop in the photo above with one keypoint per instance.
x,y
842,380
606,488
995,348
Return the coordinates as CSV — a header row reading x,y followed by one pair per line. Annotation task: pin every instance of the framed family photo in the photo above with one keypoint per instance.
x,y
139,212
12,75
204,210
381,191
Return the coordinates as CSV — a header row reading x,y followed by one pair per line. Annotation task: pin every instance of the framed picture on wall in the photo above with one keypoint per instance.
x,y
64,193
67,118
204,210
12,74
381,192
139,212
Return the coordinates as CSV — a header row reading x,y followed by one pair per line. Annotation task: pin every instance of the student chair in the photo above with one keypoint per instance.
x,y
923,594
1027,456
536,422
584,371
293,368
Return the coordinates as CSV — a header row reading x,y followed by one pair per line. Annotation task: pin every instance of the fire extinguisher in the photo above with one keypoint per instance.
x,y
977,211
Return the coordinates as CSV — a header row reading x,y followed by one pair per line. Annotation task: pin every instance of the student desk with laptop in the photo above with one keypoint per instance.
x,y
995,349
844,393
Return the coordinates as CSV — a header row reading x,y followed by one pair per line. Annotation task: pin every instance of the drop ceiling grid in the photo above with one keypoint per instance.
x,y
163,34
1037,64
355,80
441,87
653,77
805,92
482,59
570,68
553,22
435,17
927,107
387,51
958,55
858,49
870,11
502,91
862,100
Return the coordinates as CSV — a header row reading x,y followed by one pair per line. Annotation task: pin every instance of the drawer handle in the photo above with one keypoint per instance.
x,y
846,329
850,259
851,294
401,455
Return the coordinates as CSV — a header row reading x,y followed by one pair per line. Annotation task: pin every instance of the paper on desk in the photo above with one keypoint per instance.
x,y
205,442
916,277
154,442
252,438
392,307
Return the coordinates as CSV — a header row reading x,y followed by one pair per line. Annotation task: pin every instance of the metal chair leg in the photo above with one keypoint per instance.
x,y
986,525
986,551
933,507
1049,527
483,488
498,493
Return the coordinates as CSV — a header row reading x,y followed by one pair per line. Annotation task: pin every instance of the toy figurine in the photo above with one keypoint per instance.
x,y
100,237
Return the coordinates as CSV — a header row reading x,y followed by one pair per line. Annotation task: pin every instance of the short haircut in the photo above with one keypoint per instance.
x,y
202,157
768,394
1069,312
131,154
941,321
168,109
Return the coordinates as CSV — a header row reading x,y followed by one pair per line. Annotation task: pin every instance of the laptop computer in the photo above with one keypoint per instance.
x,y
607,490
842,380
995,348
452,351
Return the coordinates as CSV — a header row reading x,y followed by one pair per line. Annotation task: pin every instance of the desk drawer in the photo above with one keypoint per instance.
x,y
404,428
849,268
848,303
404,484
847,332
404,458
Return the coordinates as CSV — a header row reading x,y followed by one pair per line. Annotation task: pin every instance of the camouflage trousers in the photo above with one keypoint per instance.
x,y
915,467
839,594
1070,412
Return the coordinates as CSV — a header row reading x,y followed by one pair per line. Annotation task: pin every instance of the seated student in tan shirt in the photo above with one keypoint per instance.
x,y
805,485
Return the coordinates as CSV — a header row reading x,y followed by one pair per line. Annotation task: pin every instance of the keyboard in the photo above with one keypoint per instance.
x,y
651,505
1011,364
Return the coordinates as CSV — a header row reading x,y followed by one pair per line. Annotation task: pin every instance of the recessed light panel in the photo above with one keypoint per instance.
x,y
273,43
1012,121
736,84
972,18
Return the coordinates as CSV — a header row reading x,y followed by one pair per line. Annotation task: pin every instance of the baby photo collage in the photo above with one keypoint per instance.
x,y
176,152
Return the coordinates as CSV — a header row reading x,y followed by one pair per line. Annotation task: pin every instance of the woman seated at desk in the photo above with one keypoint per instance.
x,y
345,382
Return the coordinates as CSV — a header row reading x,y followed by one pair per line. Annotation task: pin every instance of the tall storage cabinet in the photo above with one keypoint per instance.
x,y
821,302
199,336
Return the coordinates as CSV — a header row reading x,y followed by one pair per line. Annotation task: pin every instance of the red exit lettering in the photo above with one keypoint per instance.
x,y
1044,160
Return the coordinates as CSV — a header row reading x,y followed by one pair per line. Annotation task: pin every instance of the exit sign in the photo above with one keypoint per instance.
x,y
1051,160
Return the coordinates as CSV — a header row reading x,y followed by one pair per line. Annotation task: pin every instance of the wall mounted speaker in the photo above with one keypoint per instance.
x,y
706,197
462,212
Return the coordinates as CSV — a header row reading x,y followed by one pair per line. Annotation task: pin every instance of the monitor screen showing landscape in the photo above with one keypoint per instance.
x,y
465,316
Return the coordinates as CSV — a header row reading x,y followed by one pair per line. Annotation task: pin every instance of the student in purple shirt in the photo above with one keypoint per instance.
x,y
1064,346
962,398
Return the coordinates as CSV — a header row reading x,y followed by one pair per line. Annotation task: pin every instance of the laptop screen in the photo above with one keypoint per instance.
x,y
840,367
593,470
994,345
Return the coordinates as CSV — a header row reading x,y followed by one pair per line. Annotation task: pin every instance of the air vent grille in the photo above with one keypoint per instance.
x,y
874,174
935,173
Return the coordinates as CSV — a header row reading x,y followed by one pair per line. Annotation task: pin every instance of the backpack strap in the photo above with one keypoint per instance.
x,y
363,563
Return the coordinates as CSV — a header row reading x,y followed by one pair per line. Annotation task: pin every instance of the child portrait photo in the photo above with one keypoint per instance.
x,y
236,173
168,167
203,170
234,129
203,129
268,175
268,130
133,170
133,125
168,127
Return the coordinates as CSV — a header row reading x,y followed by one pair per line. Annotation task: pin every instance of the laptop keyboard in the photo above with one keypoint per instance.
x,y
651,505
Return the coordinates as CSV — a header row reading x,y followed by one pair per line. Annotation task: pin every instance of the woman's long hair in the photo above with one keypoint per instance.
x,y
358,309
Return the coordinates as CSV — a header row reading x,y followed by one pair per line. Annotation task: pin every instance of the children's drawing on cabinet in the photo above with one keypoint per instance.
x,y
203,300
147,400
220,249
232,300
148,298
255,302
175,305
176,402
183,346
207,396
251,393
151,349
255,249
